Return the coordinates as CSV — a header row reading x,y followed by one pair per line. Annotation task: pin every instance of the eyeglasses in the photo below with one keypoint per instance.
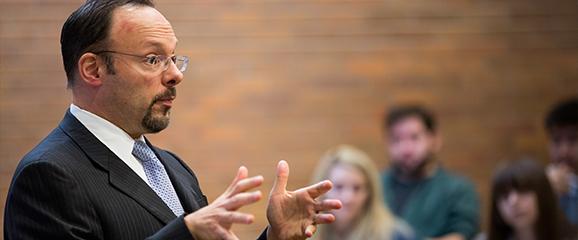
x,y
156,62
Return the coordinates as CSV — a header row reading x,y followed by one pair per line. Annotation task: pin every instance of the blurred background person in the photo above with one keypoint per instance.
x,y
562,128
524,206
435,203
356,184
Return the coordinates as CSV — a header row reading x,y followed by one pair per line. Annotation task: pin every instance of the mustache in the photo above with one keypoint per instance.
x,y
169,93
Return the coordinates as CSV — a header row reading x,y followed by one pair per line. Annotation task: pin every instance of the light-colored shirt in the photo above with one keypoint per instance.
x,y
113,137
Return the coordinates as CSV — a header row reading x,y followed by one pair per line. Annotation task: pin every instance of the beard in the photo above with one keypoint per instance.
x,y
414,172
156,124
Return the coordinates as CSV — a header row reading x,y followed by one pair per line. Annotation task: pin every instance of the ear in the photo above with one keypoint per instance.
x,y
89,69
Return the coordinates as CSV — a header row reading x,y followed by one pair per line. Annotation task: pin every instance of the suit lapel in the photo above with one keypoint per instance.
x,y
138,190
120,175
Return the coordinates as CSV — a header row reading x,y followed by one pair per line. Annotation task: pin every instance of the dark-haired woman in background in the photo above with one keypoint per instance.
x,y
524,205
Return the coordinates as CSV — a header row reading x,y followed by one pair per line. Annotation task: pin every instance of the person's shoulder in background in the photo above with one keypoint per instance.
x,y
402,231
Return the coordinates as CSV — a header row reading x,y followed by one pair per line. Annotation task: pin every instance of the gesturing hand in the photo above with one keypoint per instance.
x,y
215,220
559,176
294,215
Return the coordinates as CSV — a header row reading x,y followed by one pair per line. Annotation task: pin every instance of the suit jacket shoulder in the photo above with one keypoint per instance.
x,y
70,186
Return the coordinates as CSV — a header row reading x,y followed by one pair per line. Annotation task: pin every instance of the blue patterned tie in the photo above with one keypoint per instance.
x,y
157,176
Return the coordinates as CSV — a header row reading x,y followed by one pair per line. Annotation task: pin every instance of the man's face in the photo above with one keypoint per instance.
x,y
140,96
410,145
563,146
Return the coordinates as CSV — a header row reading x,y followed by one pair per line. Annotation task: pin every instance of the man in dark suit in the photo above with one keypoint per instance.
x,y
96,176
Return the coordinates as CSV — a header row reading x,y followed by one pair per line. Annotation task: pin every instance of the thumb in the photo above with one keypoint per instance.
x,y
280,184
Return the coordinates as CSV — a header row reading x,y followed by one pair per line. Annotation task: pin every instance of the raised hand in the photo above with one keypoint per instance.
x,y
295,214
559,176
215,220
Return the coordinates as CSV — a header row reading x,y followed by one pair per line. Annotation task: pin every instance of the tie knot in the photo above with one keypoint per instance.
x,y
142,151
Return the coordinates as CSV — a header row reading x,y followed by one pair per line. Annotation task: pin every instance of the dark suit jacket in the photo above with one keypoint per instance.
x,y
71,186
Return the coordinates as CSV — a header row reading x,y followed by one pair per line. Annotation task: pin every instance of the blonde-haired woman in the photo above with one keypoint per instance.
x,y
356,183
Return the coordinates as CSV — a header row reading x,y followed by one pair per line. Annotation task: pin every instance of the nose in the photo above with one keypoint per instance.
x,y
407,148
512,198
172,76
565,148
346,196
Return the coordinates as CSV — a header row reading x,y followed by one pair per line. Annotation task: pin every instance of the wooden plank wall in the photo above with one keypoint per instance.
x,y
279,79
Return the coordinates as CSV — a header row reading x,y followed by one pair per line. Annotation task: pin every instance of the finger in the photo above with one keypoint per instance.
x,y
231,217
324,218
319,188
328,205
280,184
310,230
247,184
241,200
242,173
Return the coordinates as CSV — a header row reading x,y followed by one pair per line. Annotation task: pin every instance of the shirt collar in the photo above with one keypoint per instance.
x,y
116,139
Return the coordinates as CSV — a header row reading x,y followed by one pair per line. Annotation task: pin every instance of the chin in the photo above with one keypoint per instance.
x,y
155,125
341,225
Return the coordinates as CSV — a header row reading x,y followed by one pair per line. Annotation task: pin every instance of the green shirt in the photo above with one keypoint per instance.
x,y
441,204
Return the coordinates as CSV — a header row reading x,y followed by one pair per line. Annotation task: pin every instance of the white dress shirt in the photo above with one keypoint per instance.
x,y
113,137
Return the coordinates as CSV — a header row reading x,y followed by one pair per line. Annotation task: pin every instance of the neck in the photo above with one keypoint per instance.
x,y
341,231
524,234
92,108
341,235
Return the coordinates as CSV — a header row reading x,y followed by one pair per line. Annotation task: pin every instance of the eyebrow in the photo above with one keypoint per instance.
x,y
158,46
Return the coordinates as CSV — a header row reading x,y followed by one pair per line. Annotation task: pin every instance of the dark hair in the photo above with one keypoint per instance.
x,y
87,29
526,175
563,114
399,113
